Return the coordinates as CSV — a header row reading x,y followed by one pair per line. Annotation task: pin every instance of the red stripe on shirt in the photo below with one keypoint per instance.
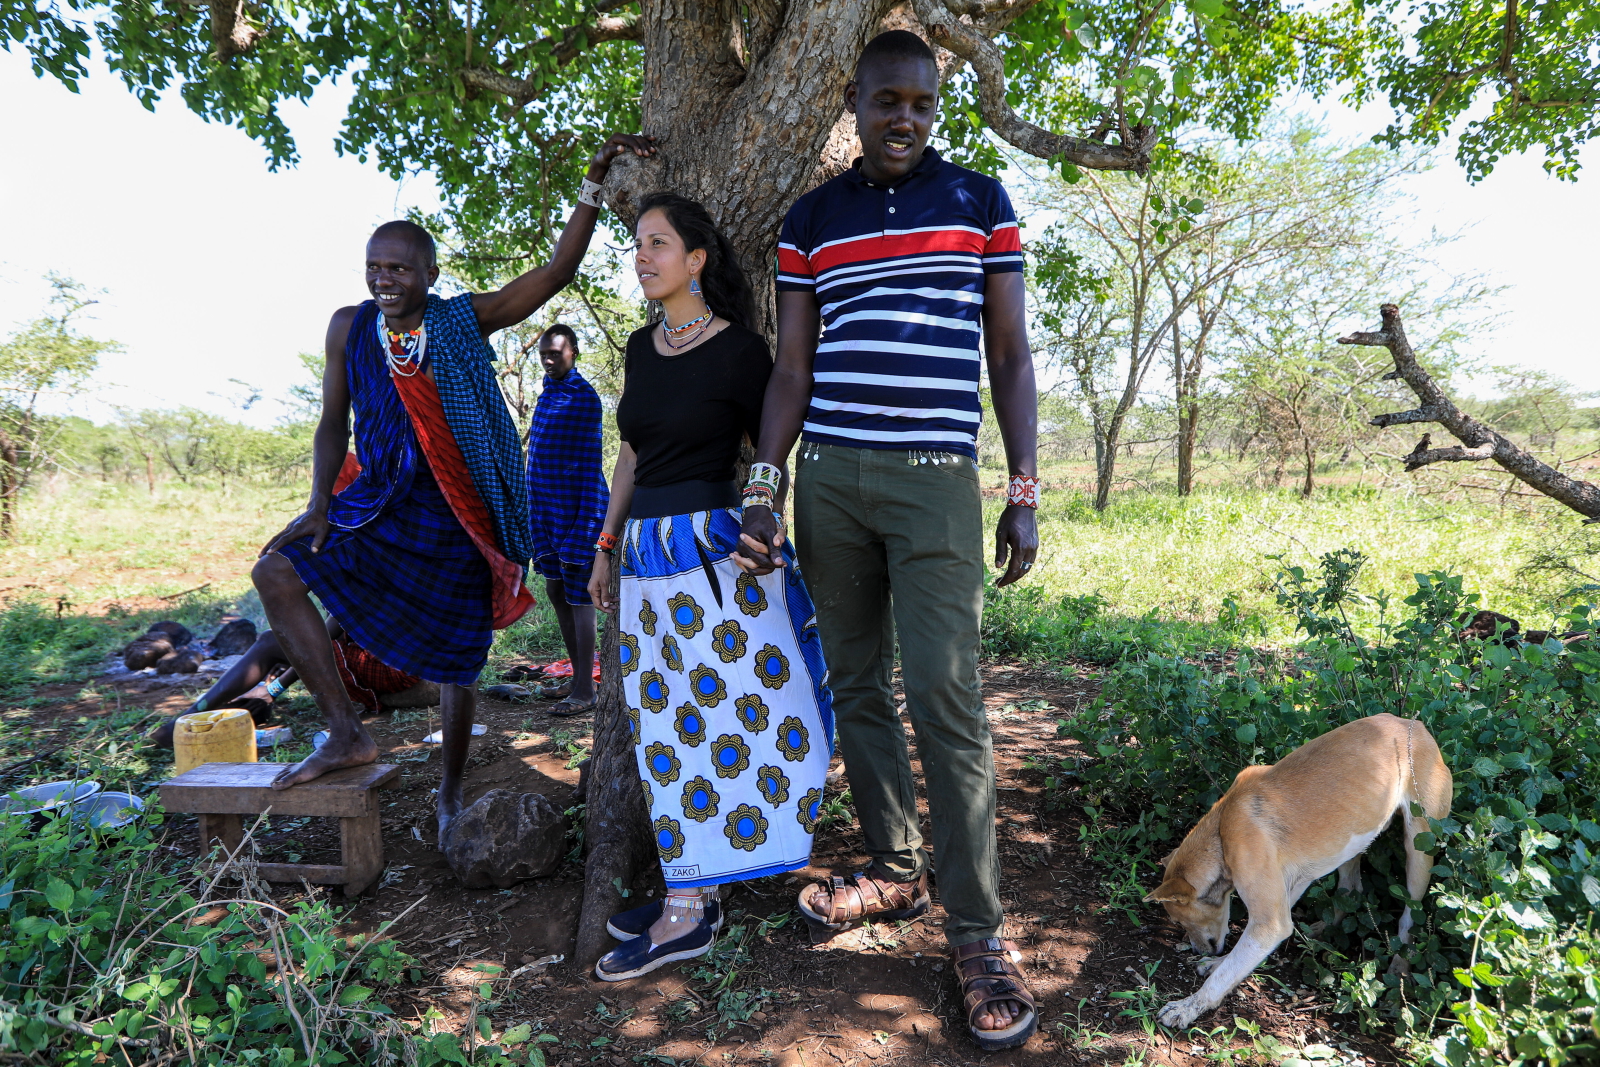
x,y
880,246
792,262
1006,239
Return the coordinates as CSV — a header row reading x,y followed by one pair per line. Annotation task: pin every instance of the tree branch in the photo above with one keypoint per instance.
x,y
987,62
1401,418
1481,441
564,48
231,31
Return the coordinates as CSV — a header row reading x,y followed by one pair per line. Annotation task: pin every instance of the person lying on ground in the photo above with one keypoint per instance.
x,y
888,278
423,557
263,674
722,672
567,500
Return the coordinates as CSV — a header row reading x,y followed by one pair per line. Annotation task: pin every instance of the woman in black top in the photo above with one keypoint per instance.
x,y
722,670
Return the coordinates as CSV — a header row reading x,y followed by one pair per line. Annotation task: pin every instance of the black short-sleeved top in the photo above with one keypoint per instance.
x,y
685,414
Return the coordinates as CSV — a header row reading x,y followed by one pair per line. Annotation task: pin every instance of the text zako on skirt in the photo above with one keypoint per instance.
x,y
728,695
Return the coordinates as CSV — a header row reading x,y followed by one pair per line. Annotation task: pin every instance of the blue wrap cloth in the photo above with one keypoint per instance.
x,y
567,495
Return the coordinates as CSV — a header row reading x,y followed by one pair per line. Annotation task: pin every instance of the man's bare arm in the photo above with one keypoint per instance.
x,y
1016,408
330,444
783,412
531,291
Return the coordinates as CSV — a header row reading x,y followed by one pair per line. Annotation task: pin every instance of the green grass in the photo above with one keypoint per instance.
x,y
1193,561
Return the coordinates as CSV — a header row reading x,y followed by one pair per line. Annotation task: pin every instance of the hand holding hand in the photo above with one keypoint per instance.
x,y
1016,535
313,522
640,144
759,540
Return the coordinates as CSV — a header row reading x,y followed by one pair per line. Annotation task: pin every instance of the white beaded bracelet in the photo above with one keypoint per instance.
x,y
590,194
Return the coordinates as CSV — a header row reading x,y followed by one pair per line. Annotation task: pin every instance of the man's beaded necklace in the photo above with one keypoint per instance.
x,y
404,350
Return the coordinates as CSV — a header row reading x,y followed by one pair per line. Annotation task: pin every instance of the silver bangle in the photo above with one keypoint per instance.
x,y
590,194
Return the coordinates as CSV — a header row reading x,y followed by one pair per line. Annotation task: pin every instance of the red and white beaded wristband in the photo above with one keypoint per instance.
x,y
1023,490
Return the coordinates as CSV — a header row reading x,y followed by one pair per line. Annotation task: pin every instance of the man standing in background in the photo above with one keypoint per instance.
x,y
567,500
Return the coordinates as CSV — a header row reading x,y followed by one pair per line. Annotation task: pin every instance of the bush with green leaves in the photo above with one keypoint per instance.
x,y
111,949
1504,965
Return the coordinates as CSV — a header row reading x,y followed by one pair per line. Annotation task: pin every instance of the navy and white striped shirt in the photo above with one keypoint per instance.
x,y
899,272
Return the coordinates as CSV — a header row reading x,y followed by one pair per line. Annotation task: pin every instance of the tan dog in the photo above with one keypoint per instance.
x,y
1280,828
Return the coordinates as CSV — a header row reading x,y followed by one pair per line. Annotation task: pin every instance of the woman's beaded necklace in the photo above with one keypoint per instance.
x,y
405,350
682,336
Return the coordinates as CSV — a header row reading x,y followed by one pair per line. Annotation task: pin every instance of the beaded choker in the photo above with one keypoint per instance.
x,y
680,336
404,351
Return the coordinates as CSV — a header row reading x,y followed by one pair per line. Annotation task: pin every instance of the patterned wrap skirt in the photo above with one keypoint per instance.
x,y
728,695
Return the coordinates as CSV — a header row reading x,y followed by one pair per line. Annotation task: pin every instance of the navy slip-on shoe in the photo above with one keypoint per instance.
x,y
628,925
638,956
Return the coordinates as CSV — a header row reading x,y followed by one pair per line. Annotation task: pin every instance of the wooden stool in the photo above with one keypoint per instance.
x,y
222,792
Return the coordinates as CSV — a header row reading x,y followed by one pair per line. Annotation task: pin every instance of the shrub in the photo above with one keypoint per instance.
x,y
1504,970
111,952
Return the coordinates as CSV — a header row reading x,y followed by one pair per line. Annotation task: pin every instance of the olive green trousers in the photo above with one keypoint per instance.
x,y
895,548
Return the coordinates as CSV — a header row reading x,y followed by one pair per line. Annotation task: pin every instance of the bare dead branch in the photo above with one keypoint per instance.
x,y
1401,418
1480,440
947,30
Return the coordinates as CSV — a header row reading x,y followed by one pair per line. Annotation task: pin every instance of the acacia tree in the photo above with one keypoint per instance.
x,y
1162,260
502,99
47,357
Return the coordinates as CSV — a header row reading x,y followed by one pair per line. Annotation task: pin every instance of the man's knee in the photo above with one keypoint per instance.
x,y
273,573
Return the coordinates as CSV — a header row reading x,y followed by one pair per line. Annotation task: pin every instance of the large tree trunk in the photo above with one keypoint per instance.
x,y
616,824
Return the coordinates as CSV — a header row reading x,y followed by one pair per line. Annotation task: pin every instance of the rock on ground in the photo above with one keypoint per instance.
x,y
505,838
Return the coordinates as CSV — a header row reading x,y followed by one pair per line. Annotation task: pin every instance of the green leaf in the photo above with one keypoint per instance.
x,y
1591,890
447,1048
1206,9
6,888
1523,914
1246,733
517,1034
1425,841
353,994
1484,767
59,895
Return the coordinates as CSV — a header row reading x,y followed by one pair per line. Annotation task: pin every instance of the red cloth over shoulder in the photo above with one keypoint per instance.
x,y
349,472
511,599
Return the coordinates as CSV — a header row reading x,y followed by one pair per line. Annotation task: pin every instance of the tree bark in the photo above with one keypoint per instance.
x,y
1479,441
10,485
616,824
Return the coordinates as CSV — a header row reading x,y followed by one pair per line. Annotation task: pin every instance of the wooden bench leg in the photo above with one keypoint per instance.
x,y
361,841
227,830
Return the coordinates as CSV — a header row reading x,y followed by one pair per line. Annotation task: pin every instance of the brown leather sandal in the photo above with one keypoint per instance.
x,y
987,971
838,904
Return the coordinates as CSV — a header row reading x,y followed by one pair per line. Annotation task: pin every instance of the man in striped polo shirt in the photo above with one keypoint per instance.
x,y
903,265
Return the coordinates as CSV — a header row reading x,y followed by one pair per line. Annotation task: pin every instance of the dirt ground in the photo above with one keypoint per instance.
x,y
880,995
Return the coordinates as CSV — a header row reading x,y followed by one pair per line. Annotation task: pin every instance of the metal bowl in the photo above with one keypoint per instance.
x,y
37,798
109,811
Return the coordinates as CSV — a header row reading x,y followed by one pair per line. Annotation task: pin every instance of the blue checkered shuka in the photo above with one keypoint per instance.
x,y
567,493
728,696
398,571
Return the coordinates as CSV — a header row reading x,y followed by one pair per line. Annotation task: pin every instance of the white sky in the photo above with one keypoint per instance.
x,y
216,269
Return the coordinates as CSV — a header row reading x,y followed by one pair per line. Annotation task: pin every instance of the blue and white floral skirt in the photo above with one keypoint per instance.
x,y
728,694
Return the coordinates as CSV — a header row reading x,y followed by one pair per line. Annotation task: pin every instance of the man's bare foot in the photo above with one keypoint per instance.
x,y
451,802
335,752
